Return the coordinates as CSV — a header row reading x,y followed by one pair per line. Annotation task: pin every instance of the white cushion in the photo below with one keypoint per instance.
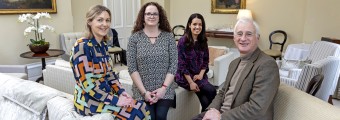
x,y
30,94
62,63
124,74
210,73
62,108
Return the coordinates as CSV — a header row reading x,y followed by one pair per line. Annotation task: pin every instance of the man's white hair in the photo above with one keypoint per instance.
x,y
246,20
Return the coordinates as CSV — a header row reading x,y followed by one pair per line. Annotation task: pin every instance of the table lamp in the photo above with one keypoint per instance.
x,y
244,13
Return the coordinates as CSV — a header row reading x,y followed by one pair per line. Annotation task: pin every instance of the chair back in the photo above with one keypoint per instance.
x,y
333,40
67,41
282,43
113,41
178,31
329,67
331,72
314,84
321,49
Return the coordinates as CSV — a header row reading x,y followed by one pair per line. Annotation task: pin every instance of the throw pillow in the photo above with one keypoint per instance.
x,y
30,95
214,52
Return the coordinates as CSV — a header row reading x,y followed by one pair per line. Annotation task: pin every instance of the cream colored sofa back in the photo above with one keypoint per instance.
x,y
293,104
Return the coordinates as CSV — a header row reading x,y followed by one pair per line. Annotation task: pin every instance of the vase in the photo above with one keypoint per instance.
x,y
39,48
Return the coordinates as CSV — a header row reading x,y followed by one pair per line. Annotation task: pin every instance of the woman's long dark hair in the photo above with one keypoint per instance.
x,y
201,38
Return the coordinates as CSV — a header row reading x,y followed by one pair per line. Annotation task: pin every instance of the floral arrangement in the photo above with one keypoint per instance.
x,y
36,27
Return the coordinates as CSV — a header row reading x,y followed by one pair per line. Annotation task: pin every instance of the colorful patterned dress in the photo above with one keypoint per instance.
x,y
97,86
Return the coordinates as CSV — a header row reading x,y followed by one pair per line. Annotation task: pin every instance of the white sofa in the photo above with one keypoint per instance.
x,y
289,104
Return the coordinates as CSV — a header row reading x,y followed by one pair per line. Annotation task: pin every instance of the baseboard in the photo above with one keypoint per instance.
x,y
34,69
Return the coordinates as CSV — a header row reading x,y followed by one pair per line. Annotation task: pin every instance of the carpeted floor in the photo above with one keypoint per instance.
x,y
119,67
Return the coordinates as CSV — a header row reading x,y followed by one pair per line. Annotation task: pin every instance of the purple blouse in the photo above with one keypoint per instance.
x,y
191,62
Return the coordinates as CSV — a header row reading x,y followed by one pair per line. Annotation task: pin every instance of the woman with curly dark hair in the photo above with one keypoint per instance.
x,y
152,60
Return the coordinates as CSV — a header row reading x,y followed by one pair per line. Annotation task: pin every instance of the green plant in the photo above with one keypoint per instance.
x,y
36,27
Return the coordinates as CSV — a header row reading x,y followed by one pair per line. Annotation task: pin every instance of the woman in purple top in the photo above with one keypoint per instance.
x,y
193,59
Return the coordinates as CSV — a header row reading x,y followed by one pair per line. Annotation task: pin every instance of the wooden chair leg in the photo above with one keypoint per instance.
x,y
330,99
120,58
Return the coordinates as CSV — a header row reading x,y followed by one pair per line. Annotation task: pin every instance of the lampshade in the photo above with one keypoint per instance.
x,y
244,13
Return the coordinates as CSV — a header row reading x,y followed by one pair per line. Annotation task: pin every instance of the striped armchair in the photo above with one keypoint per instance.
x,y
318,51
329,67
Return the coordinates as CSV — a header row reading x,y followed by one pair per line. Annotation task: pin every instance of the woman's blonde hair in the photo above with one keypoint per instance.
x,y
93,12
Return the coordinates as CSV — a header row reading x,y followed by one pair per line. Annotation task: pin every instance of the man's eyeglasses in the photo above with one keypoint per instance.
x,y
151,14
247,34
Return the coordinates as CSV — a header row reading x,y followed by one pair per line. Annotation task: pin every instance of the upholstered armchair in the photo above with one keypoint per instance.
x,y
318,51
328,66
220,58
67,41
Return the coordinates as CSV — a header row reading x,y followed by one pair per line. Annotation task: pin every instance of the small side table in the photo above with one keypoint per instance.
x,y
49,53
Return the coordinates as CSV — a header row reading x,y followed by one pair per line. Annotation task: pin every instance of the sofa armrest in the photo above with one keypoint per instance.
x,y
187,105
60,78
13,69
220,68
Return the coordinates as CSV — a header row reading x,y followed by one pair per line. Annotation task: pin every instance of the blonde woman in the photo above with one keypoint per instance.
x,y
97,88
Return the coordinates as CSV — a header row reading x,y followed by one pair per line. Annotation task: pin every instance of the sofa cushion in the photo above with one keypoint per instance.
x,y
216,51
124,74
62,108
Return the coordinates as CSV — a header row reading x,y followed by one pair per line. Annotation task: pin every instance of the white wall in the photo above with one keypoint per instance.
x,y
322,19
79,9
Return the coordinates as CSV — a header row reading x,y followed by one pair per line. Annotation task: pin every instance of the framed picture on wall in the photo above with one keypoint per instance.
x,y
227,6
27,6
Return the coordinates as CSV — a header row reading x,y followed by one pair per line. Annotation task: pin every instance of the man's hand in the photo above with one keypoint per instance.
x,y
212,114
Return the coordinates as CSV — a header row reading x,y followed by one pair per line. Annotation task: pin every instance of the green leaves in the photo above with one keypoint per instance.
x,y
38,42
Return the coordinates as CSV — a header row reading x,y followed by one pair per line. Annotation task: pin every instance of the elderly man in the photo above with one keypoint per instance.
x,y
251,83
